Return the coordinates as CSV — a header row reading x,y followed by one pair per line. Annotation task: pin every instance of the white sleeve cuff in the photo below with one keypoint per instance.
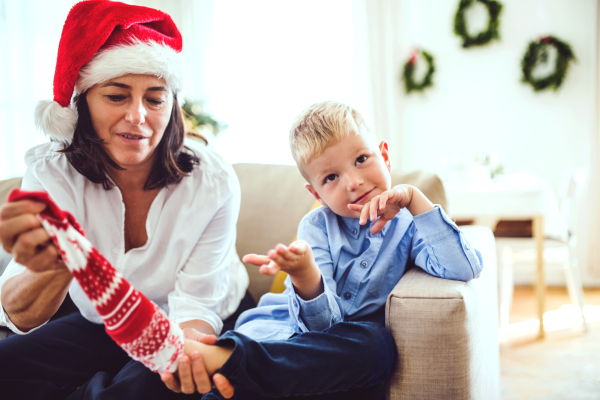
x,y
5,321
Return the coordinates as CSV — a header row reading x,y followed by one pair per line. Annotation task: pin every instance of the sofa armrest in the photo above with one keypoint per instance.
x,y
446,332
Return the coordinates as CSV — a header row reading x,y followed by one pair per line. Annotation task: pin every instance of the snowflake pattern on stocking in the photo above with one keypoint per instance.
x,y
134,322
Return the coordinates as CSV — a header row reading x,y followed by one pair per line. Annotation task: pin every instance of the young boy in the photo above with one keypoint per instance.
x,y
326,332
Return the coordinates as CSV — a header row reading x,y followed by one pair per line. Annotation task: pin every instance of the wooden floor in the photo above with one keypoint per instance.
x,y
565,364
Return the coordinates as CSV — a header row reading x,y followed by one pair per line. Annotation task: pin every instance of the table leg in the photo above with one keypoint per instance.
x,y
540,287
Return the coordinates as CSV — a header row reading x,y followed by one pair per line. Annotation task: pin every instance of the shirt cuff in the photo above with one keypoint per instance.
x,y
5,321
435,225
313,308
314,314
211,318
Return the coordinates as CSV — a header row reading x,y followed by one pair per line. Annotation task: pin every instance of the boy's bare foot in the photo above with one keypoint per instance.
x,y
214,356
196,367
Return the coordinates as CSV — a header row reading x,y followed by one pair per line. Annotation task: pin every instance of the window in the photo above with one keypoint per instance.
x,y
270,60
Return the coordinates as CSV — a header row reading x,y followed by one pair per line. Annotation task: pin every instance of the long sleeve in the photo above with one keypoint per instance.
x,y
441,249
324,310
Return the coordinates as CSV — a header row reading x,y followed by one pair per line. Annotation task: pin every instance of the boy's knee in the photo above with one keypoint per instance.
x,y
381,349
376,349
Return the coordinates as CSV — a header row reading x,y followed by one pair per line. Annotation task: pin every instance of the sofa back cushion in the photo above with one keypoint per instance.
x,y
274,201
6,186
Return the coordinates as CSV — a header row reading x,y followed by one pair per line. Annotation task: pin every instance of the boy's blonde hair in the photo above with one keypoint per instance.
x,y
323,125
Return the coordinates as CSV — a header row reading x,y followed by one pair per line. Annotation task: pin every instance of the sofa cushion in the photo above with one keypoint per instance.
x,y
6,186
274,201
428,183
4,259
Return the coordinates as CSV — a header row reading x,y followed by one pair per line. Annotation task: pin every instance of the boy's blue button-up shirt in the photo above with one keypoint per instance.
x,y
359,270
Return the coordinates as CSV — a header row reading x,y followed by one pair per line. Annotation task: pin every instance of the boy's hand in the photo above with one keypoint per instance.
x,y
389,203
297,260
293,259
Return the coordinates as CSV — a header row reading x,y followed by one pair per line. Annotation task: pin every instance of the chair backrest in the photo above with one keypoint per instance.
x,y
570,195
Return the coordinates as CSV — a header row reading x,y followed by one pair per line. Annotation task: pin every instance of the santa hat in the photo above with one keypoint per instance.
x,y
103,40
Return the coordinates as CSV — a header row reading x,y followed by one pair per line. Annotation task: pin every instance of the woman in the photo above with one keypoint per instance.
x,y
164,215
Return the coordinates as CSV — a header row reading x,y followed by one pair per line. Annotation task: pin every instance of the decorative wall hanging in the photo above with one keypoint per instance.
x,y
484,37
537,53
409,69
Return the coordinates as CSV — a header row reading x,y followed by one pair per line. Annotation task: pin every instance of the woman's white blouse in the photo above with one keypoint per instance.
x,y
188,266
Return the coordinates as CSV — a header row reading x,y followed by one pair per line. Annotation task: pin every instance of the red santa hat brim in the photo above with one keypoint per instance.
x,y
144,58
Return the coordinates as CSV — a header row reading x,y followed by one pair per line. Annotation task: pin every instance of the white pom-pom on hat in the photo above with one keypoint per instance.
x,y
56,121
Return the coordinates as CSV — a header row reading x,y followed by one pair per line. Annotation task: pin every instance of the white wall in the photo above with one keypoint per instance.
x,y
478,103
294,57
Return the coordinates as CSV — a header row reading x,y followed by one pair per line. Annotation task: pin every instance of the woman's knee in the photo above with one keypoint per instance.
x,y
12,348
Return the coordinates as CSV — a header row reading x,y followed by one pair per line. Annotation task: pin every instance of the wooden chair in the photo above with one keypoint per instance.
x,y
561,251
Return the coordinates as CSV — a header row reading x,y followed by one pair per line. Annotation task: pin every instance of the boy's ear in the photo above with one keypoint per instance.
x,y
314,193
385,153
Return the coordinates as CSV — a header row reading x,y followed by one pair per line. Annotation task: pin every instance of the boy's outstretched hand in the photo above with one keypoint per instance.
x,y
389,203
297,260
291,259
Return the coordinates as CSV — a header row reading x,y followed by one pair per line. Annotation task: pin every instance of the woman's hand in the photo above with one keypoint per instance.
x,y
192,375
22,235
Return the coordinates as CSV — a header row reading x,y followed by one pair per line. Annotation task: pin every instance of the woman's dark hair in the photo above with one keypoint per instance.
x,y
87,155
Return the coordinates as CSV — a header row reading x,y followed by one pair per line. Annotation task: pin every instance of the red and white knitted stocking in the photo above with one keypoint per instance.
x,y
134,322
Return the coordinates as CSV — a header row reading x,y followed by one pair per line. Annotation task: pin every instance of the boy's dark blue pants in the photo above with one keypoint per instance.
x,y
349,360
61,360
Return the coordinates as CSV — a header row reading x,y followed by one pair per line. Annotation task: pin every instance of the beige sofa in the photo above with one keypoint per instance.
x,y
445,331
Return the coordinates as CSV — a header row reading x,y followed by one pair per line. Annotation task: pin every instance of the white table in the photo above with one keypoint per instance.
x,y
522,196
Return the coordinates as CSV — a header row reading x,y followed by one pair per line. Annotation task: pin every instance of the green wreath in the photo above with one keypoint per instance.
x,y
409,69
482,38
537,53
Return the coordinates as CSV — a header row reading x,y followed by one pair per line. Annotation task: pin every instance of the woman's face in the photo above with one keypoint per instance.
x,y
130,113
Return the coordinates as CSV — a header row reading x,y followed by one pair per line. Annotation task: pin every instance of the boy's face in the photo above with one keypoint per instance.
x,y
352,171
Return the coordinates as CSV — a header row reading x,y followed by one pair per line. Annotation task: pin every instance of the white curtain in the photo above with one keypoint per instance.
x,y
271,60
594,177
195,20
256,65
29,35
376,32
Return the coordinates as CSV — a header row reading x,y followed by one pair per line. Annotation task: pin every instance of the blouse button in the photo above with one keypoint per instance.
x,y
347,295
364,264
354,231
